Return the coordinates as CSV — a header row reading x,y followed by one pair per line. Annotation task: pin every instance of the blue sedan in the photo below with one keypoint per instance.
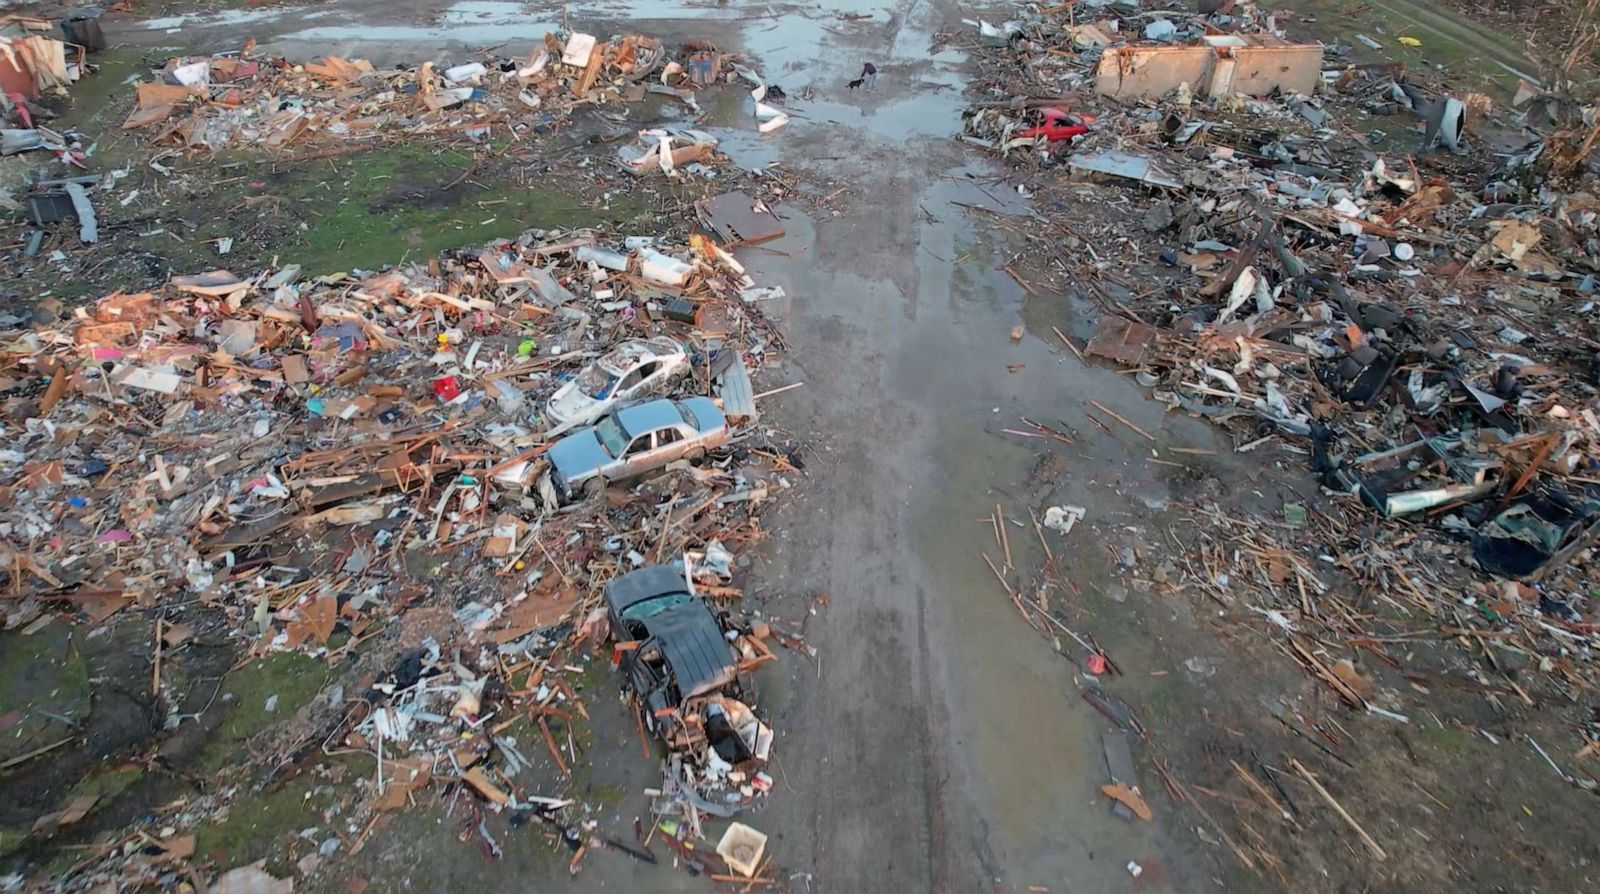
x,y
634,440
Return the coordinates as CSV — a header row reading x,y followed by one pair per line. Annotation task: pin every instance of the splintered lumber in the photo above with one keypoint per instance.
x,y
1128,798
591,72
1261,790
555,750
1122,419
1000,529
476,778
1339,809
1182,794
44,749
1068,342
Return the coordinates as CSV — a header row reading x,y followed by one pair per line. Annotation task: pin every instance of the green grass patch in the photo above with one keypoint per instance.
x,y
607,796
10,838
43,672
107,784
387,206
294,679
1462,47
1449,741
259,825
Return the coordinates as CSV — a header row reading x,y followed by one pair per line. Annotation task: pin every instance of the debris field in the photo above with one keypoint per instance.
x,y
498,502
1383,280
369,469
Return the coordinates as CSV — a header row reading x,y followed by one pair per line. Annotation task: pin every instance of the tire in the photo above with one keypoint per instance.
x,y
695,455
594,487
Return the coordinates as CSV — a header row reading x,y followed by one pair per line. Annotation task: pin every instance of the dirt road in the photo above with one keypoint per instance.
x,y
942,746
939,744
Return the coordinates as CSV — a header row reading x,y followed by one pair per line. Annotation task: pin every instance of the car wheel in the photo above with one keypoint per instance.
x,y
594,487
695,455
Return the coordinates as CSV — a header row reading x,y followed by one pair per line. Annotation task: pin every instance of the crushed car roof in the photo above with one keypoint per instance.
x,y
626,355
646,583
691,642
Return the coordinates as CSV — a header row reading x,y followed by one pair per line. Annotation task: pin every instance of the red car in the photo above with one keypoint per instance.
x,y
1055,125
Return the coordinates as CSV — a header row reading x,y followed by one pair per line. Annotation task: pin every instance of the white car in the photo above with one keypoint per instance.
x,y
634,369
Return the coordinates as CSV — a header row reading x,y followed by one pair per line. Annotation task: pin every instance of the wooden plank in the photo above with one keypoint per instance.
x,y
1127,797
591,73
1121,340
476,778
1338,808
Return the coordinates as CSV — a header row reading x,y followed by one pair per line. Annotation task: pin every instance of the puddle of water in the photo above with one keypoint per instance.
x,y
913,97
484,33
217,19
459,15
908,325
678,10
1034,748
505,10
480,22
748,149
930,114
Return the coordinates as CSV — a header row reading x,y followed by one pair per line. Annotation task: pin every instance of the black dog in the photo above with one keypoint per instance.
x,y
869,76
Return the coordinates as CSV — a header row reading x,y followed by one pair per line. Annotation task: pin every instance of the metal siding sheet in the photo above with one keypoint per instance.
x,y
1262,70
733,217
738,392
1151,71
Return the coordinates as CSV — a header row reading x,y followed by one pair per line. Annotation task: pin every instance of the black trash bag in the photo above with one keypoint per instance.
x,y
724,740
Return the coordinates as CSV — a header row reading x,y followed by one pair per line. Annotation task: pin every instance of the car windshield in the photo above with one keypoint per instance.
x,y
611,436
649,608
596,382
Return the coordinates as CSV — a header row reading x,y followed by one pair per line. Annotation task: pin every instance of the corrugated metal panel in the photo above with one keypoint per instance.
x,y
738,394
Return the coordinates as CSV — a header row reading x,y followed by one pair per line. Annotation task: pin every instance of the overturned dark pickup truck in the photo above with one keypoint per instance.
x,y
680,664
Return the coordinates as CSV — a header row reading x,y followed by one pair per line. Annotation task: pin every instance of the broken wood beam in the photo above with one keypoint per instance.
x,y
1338,808
1122,419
